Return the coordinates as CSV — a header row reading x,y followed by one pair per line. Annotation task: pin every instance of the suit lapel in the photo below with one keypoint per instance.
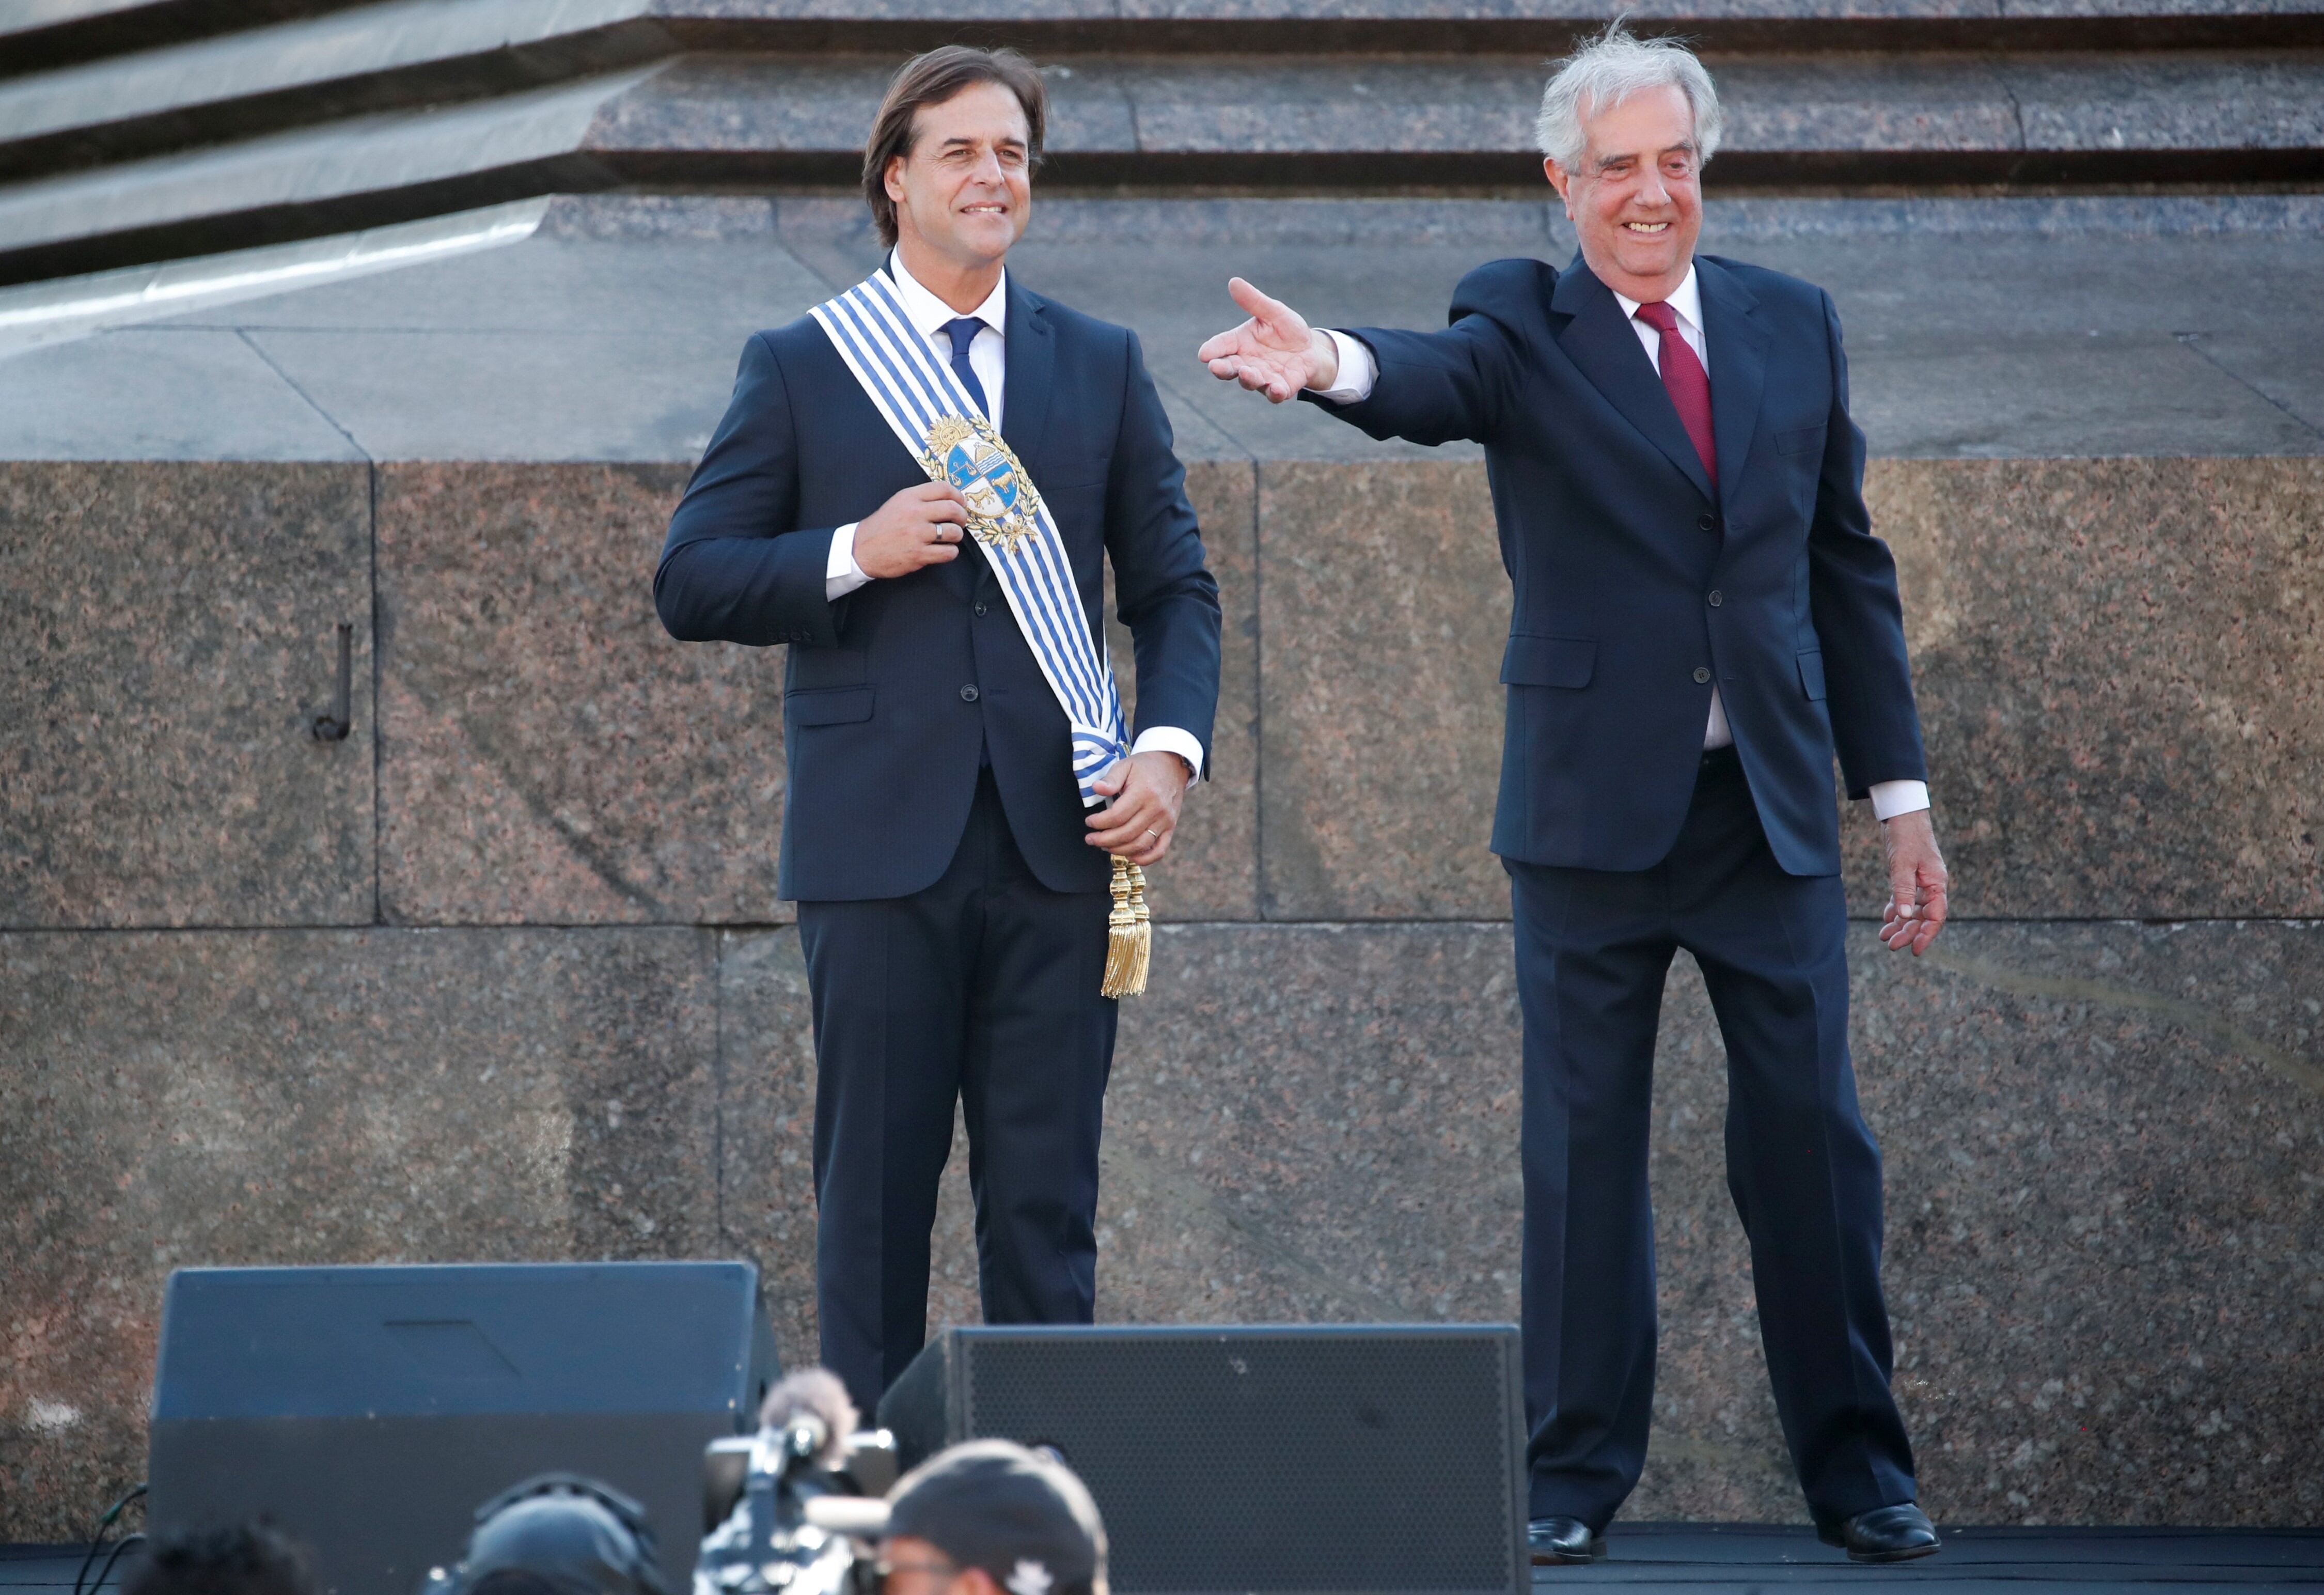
x,y
1600,342
1738,368
1030,367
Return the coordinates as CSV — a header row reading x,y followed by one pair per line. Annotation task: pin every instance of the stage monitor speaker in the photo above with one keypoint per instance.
x,y
369,1411
1341,1458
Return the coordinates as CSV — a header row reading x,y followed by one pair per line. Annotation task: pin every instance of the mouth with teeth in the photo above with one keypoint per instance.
x,y
1649,228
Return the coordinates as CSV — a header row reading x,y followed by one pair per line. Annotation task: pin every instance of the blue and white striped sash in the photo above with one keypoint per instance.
x,y
932,414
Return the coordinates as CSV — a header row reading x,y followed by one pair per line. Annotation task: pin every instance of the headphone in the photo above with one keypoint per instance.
x,y
637,1562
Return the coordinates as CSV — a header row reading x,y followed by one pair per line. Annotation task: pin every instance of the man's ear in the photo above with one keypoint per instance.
x,y
892,179
1557,175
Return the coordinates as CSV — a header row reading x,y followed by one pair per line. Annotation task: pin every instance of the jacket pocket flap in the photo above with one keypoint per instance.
x,y
1798,440
1811,674
829,705
1548,661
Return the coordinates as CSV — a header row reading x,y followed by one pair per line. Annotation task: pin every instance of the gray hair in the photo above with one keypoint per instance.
x,y
1609,69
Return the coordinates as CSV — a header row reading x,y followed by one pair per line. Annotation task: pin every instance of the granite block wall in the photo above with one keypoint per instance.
x,y
169,631
502,975
312,1096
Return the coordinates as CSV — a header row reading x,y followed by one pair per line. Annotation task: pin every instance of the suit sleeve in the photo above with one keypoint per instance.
x,y
1162,589
736,566
1853,603
1438,387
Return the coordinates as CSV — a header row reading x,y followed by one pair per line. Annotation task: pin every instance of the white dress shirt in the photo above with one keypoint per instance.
x,y
1358,371
988,356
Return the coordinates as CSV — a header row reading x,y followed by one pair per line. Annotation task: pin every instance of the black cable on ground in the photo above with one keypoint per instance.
x,y
120,1545
96,1542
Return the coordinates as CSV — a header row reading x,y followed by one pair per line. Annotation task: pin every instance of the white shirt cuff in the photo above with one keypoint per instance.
x,y
840,574
1169,739
1891,798
1357,370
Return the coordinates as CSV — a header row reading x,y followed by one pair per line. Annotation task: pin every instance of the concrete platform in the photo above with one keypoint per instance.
x,y
1977,328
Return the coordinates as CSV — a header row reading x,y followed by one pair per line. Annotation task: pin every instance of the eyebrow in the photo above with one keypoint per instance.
x,y
1606,160
965,143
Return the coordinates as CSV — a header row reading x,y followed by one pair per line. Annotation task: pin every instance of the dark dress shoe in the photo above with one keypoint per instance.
x,y
1885,1534
1563,1539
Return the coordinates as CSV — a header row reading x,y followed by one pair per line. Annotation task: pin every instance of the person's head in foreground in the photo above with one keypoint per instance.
x,y
991,1517
1626,126
557,1535
251,1559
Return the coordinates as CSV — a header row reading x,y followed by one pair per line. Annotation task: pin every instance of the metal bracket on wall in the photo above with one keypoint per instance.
x,y
332,726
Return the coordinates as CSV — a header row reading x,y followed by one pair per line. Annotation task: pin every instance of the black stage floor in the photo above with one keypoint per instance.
x,y
1717,1559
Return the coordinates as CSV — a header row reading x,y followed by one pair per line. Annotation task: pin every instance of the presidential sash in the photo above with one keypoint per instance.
x,y
923,404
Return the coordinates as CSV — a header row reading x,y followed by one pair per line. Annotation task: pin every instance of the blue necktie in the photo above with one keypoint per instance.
x,y
963,331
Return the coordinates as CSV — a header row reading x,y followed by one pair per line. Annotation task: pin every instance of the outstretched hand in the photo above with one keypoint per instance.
x,y
1274,353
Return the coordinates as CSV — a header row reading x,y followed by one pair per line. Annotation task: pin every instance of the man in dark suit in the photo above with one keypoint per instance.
x,y
952,887
1702,617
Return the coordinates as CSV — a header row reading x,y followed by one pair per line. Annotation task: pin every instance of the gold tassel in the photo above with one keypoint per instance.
x,y
1129,934
1145,931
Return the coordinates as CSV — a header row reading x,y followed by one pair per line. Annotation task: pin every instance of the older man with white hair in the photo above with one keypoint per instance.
x,y
1702,619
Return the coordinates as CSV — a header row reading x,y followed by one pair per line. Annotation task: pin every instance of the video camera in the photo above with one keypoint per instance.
x,y
793,1509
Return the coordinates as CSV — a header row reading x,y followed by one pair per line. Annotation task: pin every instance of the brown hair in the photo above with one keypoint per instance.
x,y
930,80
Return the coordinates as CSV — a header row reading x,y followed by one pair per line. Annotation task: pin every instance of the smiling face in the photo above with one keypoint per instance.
x,y
1636,196
965,191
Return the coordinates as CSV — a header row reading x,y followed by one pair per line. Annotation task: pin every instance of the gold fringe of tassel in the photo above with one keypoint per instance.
x,y
1129,934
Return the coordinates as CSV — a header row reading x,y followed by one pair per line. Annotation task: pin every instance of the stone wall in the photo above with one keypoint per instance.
x,y
502,975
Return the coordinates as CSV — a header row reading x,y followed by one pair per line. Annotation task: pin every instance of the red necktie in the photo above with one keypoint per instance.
x,y
1688,384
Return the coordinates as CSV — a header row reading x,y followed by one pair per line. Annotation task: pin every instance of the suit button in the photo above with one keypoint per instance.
x,y
968,693
1701,674
980,611
1715,599
1706,523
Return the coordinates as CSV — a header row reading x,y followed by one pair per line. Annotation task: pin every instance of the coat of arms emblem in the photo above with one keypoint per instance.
x,y
972,456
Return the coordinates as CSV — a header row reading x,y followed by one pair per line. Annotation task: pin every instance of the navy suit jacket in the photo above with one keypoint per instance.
x,y
1639,582
892,691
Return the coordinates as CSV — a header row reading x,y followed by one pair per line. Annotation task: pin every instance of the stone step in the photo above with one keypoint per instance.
x,y
328,117
362,172
1487,26
315,70
40,35
43,34
1177,125
1381,124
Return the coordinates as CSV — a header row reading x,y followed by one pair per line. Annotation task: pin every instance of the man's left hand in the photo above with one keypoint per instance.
x,y
1147,789
1916,883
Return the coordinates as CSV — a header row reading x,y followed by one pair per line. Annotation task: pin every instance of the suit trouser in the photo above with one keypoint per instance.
x,y
1592,949
982,988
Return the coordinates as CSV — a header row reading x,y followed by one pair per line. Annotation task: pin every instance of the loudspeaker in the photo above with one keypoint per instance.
x,y
369,1411
1340,1457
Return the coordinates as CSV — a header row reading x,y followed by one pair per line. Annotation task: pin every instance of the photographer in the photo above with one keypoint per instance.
x,y
990,1516
982,1518
558,1534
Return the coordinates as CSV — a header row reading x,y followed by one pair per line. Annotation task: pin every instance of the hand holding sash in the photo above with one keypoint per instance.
x,y
919,527
1147,790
